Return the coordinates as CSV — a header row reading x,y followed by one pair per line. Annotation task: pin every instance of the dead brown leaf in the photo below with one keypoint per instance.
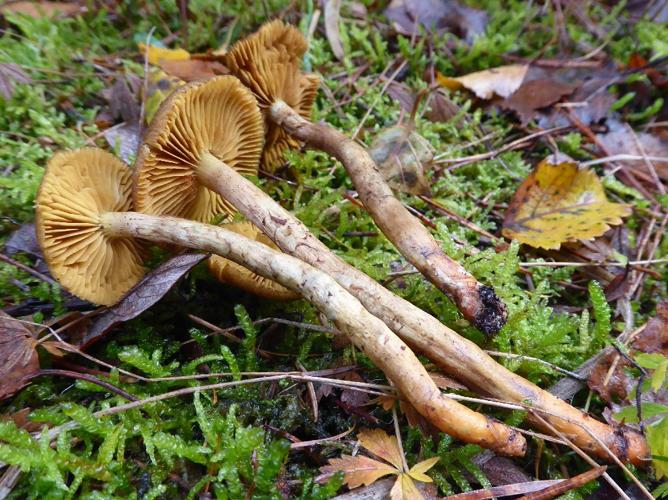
x,y
190,70
18,354
534,95
143,295
622,139
436,15
403,156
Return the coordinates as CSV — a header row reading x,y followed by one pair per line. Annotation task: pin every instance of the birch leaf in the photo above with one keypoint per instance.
x,y
502,81
560,203
359,470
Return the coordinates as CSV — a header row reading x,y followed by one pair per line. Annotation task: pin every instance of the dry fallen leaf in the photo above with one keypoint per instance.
x,y
190,70
502,81
536,94
436,15
560,203
39,10
18,355
158,54
361,470
402,155
332,16
143,295
622,139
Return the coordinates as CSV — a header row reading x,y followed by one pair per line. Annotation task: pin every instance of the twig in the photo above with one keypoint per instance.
x,y
587,458
537,360
27,269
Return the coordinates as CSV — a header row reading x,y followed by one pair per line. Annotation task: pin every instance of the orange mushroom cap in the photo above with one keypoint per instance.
x,y
77,189
219,116
267,62
230,272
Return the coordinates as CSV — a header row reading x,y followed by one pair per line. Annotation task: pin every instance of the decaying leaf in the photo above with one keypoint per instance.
x,y
502,81
11,74
436,15
332,16
622,139
536,94
18,354
124,139
402,156
39,10
156,55
560,203
144,294
361,470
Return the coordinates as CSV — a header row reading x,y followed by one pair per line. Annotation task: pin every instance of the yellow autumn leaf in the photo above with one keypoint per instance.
x,y
157,54
417,472
502,81
359,470
560,203
381,444
404,489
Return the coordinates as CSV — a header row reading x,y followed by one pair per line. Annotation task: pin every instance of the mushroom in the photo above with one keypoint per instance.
x,y
267,62
172,144
85,231
227,271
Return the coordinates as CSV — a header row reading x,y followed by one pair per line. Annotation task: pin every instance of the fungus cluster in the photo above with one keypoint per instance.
x,y
203,141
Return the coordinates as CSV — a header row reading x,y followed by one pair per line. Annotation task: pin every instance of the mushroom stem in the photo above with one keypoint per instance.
x,y
478,303
366,331
458,356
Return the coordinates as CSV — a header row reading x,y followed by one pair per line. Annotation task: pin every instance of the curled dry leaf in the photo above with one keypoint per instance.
x,y
190,70
407,16
143,295
502,81
536,94
18,355
560,203
402,155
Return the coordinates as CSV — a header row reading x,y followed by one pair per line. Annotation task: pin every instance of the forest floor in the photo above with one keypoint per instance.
x,y
577,95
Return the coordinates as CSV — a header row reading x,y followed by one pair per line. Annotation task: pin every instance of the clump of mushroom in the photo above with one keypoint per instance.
x,y
178,149
227,271
88,236
268,62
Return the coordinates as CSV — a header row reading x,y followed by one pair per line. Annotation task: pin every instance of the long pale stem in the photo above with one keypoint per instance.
x,y
366,331
478,303
458,356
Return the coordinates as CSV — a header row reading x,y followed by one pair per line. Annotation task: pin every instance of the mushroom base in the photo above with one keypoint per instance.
x,y
366,331
458,356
